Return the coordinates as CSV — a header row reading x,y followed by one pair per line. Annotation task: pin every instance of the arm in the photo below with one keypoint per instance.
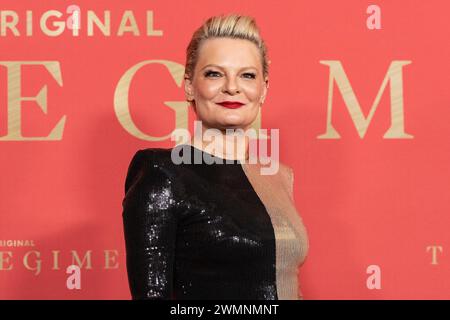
x,y
150,226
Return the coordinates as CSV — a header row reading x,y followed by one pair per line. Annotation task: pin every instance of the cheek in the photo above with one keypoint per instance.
x,y
208,90
252,91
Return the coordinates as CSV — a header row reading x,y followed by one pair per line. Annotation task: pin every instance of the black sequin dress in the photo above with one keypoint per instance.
x,y
210,231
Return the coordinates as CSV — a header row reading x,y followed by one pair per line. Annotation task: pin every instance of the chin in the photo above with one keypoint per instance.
x,y
232,121
234,124
235,118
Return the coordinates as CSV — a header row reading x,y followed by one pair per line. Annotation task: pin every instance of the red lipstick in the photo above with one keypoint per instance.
x,y
231,104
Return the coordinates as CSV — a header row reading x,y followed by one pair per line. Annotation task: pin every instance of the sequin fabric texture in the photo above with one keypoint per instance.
x,y
210,231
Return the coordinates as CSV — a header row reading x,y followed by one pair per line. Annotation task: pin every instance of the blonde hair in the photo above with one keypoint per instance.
x,y
225,26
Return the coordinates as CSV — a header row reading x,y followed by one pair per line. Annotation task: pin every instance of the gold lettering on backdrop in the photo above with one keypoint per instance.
x,y
92,19
128,16
121,105
16,243
32,261
150,28
29,27
111,259
434,250
73,20
86,257
12,24
59,24
393,75
5,24
37,267
5,260
55,259
14,100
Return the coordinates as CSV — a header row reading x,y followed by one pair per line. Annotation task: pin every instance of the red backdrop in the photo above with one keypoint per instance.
x,y
370,200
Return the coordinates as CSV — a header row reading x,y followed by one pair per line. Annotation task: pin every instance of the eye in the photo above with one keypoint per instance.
x,y
249,75
213,73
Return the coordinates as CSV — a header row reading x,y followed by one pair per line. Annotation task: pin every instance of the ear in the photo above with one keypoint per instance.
x,y
188,88
266,86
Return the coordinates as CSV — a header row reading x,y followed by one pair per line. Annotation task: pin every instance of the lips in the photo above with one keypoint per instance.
x,y
231,104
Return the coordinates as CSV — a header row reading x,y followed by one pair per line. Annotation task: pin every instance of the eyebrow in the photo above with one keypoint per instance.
x,y
221,67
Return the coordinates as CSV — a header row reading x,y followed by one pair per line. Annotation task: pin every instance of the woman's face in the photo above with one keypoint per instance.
x,y
227,70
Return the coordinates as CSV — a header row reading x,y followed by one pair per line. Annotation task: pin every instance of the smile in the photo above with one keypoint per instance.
x,y
231,105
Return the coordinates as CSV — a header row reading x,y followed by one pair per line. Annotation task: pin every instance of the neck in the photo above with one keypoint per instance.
x,y
232,146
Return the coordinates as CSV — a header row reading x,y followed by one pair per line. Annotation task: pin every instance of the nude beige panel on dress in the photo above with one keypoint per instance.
x,y
291,239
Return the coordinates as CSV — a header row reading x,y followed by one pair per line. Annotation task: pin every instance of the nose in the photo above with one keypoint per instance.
x,y
231,86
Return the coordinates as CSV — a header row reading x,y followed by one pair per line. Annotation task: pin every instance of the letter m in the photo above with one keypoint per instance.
x,y
393,75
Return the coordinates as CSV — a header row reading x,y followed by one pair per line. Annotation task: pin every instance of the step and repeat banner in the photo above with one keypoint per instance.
x,y
359,91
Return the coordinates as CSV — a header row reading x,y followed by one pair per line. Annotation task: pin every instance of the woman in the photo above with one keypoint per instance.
x,y
214,231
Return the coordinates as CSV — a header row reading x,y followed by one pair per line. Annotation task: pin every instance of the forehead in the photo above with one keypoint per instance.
x,y
229,53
